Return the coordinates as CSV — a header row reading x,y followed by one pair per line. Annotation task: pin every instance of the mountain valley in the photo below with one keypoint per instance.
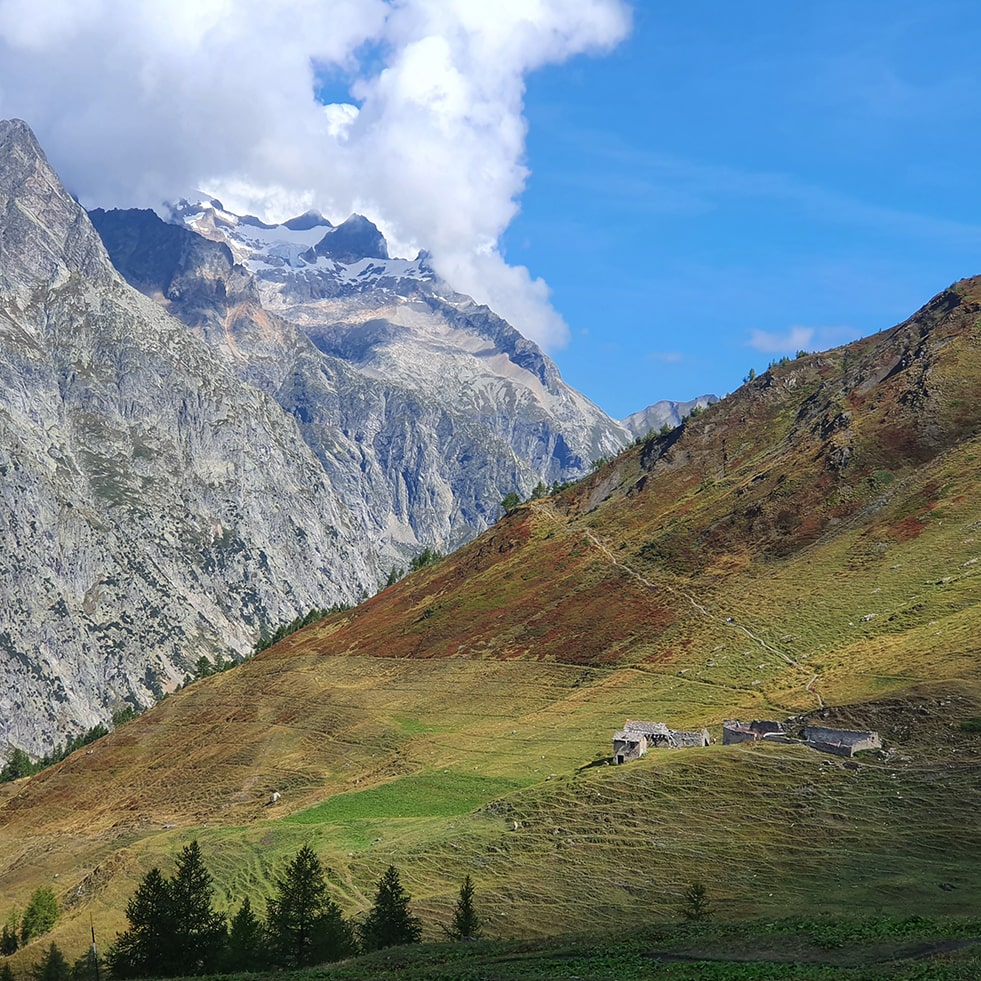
x,y
276,419
806,548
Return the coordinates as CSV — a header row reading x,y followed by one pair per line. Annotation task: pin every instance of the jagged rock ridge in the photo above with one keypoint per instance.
x,y
423,407
664,413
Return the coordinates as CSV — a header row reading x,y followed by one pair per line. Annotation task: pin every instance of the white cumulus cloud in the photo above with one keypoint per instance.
x,y
800,338
137,101
781,342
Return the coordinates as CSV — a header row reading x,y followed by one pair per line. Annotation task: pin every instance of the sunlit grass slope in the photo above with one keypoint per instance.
x,y
808,546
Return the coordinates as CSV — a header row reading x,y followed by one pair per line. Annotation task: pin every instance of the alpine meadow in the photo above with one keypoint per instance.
x,y
343,638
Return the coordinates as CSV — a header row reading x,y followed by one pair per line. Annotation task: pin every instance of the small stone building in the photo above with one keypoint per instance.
x,y
841,742
636,738
734,731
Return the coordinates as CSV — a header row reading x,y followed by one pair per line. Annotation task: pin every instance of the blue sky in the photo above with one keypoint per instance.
x,y
738,181
706,189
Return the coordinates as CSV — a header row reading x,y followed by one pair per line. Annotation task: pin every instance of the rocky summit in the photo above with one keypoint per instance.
x,y
423,407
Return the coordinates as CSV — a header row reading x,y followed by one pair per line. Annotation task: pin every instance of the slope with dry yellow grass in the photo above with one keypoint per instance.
x,y
808,546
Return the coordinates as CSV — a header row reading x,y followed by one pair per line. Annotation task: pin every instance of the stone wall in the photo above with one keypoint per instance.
x,y
687,740
734,731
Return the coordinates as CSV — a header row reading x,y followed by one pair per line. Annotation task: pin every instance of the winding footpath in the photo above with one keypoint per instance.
x,y
545,511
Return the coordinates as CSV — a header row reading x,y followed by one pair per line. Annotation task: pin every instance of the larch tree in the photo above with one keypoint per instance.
x,y
41,914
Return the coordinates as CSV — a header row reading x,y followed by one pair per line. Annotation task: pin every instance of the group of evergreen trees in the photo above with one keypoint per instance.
x,y
267,640
19,764
174,930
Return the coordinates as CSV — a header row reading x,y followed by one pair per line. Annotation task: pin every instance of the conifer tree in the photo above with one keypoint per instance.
x,y
389,921
173,928
466,923
199,933
6,974
304,925
52,967
41,914
696,907
8,940
246,948
141,951
87,967
19,765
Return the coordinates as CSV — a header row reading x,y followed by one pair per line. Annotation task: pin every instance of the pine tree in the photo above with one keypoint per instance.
x,y
199,933
53,967
246,949
41,914
144,947
87,967
303,924
19,765
696,906
466,923
389,921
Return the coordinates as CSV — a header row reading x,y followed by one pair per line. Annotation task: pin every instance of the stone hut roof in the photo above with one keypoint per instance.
x,y
646,728
843,737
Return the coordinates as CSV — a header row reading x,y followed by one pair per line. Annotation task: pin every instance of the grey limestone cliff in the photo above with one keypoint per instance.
x,y
156,507
423,407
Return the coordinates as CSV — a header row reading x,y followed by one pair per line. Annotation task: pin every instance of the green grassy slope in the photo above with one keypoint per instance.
x,y
809,546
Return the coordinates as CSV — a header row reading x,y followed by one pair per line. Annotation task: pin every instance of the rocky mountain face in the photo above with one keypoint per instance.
x,y
273,419
809,541
156,506
422,407
664,413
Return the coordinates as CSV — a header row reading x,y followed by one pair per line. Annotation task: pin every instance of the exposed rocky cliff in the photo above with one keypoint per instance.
x,y
664,413
423,407
270,421
156,507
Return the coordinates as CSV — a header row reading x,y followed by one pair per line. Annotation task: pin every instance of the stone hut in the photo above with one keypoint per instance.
x,y
841,742
734,731
636,738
